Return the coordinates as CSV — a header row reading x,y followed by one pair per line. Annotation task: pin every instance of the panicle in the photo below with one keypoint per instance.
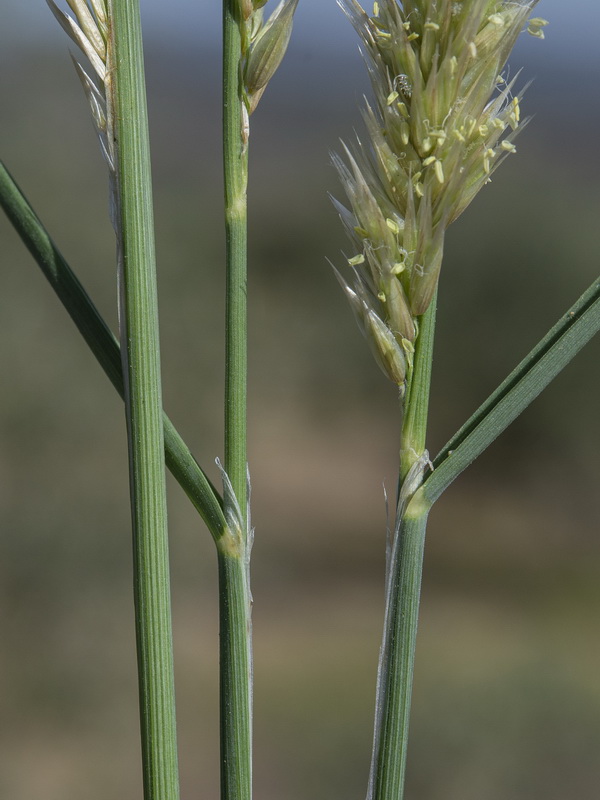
x,y
442,120
89,29
264,45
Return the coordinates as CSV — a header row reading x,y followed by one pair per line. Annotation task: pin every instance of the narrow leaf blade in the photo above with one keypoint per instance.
x,y
521,387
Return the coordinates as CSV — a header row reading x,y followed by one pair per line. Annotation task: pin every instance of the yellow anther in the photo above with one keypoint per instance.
x,y
508,146
356,260
393,226
535,25
489,153
419,189
472,49
398,267
404,132
412,36
431,26
453,65
483,131
458,135
375,9
402,109
516,109
514,115
391,97
381,296
437,165
496,19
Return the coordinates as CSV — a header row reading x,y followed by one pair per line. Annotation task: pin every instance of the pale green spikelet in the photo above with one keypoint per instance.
x,y
90,32
265,44
443,119
388,352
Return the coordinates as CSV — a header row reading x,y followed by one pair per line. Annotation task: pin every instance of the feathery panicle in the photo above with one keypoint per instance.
x,y
442,121
264,45
90,32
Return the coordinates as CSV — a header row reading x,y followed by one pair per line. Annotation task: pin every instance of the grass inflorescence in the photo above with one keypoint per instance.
x,y
444,117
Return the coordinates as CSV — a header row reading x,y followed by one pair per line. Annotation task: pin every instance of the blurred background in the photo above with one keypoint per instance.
x,y
507,699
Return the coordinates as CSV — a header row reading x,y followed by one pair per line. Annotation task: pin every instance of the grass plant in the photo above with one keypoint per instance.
x,y
443,118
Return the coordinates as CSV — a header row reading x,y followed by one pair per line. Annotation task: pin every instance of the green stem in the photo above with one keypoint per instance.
x,y
143,403
104,346
403,589
235,676
235,163
416,403
234,552
397,658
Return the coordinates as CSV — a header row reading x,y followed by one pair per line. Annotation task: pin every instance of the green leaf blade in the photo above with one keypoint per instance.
x,y
550,356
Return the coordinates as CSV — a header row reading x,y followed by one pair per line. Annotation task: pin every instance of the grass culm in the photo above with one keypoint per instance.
x,y
443,114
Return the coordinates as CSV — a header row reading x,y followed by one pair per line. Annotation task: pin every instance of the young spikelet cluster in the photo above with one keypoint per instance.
x,y
443,119
90,32
263,45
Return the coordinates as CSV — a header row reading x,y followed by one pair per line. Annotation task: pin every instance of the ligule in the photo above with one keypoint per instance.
x,y
442,121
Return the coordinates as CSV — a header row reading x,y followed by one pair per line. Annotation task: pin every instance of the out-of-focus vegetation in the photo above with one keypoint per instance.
x,y
507,703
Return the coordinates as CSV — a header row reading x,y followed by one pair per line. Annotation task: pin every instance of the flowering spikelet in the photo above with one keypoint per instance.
x,y
90,32
263,45
442,121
